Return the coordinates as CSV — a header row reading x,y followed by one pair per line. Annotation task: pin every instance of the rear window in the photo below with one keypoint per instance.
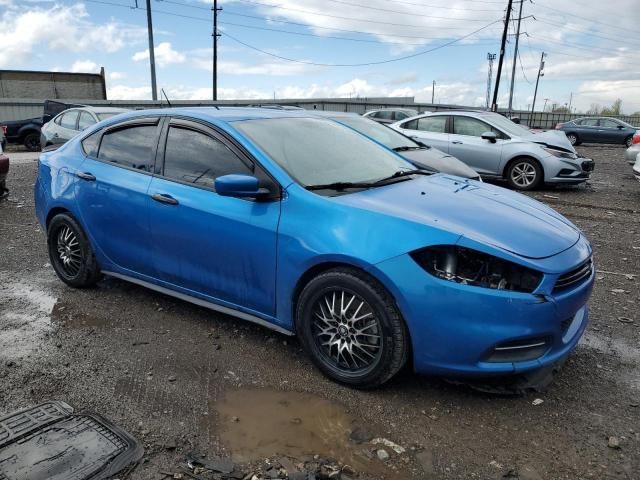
x,y
129,147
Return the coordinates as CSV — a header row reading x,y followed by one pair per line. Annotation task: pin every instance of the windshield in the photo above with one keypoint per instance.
x,y
104,116
506,125
317,151
384,135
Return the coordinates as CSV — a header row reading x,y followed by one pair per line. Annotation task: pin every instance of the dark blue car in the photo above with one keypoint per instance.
x,y
305,226
598,130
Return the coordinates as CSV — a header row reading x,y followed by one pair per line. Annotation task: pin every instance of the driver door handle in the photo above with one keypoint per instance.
x,y
164,198
86,176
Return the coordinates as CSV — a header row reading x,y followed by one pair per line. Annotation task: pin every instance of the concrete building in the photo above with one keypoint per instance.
x,y
25,84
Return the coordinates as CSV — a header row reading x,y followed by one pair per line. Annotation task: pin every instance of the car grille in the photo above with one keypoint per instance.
x,y
574,277
587,166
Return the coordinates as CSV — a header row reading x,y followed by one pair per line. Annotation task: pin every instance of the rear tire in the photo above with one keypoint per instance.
x,y
32,142
70,253
351,328
628,141
524,174
573,139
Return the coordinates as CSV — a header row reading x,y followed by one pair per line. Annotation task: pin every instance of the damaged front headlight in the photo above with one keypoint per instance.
x,y
560,153
470,267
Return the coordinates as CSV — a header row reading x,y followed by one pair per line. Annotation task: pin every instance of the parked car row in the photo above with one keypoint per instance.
x,y
302,224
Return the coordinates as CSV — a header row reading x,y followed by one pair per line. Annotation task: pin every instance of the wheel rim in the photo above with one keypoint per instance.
x,y
629,142
32,142
346,331
523,174
69,252
573,139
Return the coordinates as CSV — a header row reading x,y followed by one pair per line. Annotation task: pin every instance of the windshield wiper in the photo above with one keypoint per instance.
x,y
340,185
404,148
377,183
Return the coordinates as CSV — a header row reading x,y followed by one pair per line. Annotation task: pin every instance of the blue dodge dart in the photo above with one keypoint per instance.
x,y
305,226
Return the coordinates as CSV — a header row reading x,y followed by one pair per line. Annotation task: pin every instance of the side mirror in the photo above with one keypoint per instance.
x,y
240,186
492,137
620,127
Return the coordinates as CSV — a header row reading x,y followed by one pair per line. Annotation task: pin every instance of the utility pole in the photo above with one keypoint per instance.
x,y
540,74
433,92
491,57
515,58
494,105
570,101
215,36
152,55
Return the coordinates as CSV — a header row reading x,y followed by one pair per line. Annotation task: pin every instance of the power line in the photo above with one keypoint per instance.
x,y
405,57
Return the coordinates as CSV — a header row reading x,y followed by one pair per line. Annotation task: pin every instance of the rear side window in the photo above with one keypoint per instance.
x,y
401,115
589,122
85,120
90,145
130,147
68,120
433,124
385,115
195,157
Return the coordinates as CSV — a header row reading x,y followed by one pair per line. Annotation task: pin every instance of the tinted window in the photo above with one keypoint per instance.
x,y
68,120
130,147
90,144
86,120
589,122
609,124
401,115
385,115
104,116
412,125
195,157
433,124
470,126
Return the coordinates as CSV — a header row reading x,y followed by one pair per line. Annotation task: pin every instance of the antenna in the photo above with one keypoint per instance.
x,y
165,96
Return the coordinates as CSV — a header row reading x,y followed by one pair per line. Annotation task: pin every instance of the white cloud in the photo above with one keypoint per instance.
x,y
117,75
59,28
85,66
164,55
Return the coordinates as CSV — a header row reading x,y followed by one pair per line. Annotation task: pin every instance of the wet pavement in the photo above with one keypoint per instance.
x,y
191,383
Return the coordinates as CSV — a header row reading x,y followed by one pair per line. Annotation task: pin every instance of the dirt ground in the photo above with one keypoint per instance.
x,y
188,381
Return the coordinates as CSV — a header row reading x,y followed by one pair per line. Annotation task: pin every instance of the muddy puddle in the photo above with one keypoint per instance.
x,y
25,317
259,423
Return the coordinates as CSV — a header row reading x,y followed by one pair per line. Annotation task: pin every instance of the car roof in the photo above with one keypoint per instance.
x,y
404,109
329,113
221,114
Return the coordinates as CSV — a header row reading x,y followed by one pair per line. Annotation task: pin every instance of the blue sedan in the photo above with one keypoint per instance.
x,y
598,130
303,225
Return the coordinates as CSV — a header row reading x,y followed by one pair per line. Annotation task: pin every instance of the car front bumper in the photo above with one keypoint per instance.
x,y
462,331
631,154
558,170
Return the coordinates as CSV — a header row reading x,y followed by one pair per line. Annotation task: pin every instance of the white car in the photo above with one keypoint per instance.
x,y
494,146
636,168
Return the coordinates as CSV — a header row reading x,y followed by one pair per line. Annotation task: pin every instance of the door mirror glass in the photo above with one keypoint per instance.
x,y
489,136
240,186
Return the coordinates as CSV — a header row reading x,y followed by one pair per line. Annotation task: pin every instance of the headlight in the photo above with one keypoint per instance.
x,y
470,267
560,153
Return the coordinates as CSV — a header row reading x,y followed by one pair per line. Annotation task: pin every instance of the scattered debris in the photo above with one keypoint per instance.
x,y
537,401
359,435
555,197
614,442
388,443
382,455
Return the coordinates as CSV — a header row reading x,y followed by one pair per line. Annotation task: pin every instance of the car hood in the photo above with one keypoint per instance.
x,y
552,138
484,213
439,161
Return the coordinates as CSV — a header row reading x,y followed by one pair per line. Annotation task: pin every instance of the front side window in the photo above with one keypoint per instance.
x,y
471,127
85,120
433,124
317,151
195,157
609,124
130,147
68,120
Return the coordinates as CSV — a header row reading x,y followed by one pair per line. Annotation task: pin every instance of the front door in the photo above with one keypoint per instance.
x,y
112,193
220,247
467,144
612,131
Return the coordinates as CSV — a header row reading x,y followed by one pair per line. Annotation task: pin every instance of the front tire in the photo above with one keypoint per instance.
x,y
70,253
573,139
352,328
524,174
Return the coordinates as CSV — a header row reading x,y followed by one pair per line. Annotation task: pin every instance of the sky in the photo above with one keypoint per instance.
x,y
287,49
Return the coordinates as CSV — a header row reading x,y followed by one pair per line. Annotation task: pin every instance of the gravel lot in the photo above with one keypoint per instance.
x,y
186,380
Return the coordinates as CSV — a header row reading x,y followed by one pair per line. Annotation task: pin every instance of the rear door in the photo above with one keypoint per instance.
x,y
431,130
113,192
466,143
217,246
65,127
